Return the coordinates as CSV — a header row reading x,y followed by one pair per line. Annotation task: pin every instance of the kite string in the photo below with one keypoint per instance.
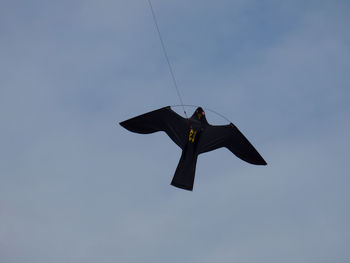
x,y
166,56
196,106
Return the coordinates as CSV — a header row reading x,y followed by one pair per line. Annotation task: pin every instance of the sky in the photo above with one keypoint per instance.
x,y
77,187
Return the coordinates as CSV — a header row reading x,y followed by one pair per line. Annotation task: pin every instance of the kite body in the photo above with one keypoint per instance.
x,y
194,136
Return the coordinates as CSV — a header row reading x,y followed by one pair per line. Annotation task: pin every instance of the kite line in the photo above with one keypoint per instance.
x,y
166,56
205,108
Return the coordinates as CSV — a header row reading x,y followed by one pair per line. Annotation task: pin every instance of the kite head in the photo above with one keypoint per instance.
x,y
199,115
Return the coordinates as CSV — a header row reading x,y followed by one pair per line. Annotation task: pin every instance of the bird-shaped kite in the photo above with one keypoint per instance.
x,y
194,136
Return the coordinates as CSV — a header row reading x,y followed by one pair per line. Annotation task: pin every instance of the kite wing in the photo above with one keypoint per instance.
x,y
164,119
214,137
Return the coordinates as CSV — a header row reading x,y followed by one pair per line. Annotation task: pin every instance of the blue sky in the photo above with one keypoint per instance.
x,y
76,187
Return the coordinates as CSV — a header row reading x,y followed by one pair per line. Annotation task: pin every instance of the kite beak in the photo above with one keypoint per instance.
x,y
200,114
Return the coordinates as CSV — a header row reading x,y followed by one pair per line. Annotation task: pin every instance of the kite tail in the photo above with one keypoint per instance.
x,y
185,173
